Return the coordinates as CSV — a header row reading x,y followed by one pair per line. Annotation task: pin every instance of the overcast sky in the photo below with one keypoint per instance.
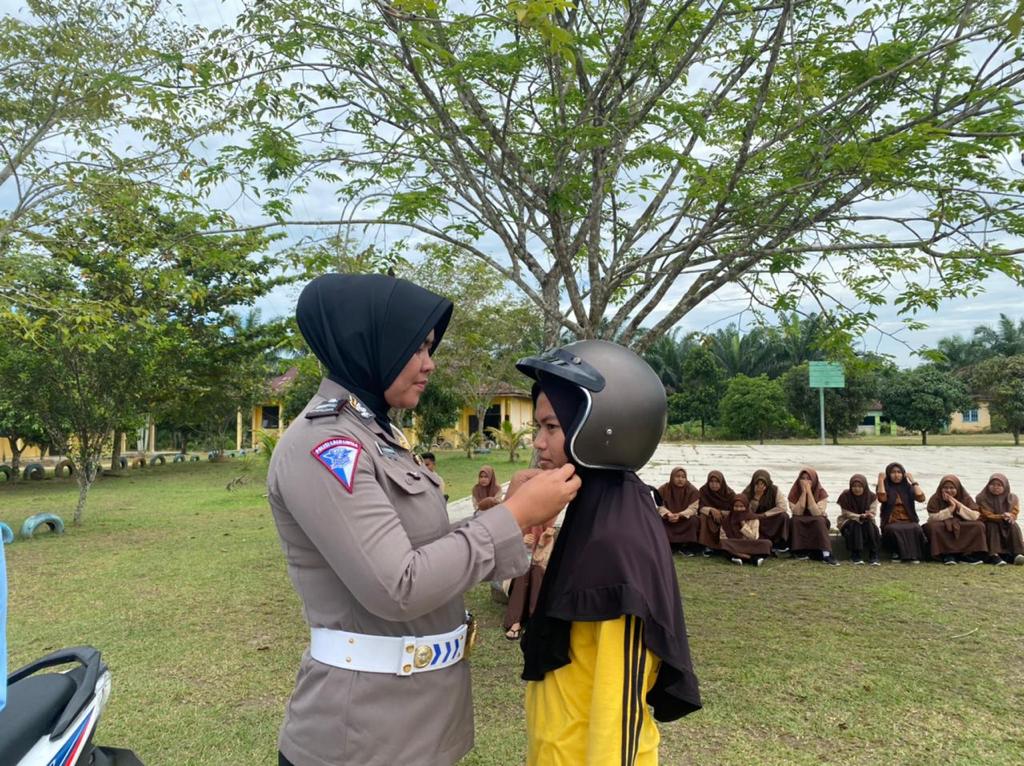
x,y
956,317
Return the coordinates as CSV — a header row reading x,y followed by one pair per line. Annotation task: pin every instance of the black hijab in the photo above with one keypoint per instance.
x,y
610,559
365,327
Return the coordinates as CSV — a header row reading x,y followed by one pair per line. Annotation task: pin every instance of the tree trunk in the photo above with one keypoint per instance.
x,y
924,437
86,477
550,295
115,461
1016,437
835,437
15,456
761,440
702,429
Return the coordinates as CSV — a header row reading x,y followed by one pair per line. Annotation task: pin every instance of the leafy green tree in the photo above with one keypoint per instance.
x,y
304,387
439,408
1001,381
844,407
90,88
19,423
753,407
923,399
702,386
666,355
582,152
1005,339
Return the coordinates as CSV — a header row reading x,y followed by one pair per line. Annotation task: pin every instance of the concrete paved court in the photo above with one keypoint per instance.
x,y
834,463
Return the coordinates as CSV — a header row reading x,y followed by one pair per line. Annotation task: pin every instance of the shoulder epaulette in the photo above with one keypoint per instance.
x,y
329,409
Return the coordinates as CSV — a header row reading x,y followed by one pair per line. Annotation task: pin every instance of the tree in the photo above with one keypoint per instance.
x,y
135,293
620,163
844,407
439,408
1001,381
87,88
666,355
923,399
19,423
1006,339
753,407
703,383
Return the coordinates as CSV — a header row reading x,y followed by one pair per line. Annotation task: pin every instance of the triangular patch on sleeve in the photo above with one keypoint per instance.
x,y
340,456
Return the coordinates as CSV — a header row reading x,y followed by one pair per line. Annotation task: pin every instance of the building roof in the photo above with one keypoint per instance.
x,y
282,381
507,389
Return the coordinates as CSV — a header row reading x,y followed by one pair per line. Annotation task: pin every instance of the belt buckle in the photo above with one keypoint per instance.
x,y
471,629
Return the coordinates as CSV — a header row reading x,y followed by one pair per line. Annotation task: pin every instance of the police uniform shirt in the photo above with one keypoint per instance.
x,y
370,549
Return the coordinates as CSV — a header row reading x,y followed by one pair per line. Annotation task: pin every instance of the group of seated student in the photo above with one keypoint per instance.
x,y
762,521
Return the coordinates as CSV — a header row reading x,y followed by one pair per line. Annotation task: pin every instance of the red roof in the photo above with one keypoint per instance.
x,y
282,381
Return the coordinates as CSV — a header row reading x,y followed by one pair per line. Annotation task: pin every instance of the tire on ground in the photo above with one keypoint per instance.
x,y
6,534
33,523
157,460
6,472
58,470
34,471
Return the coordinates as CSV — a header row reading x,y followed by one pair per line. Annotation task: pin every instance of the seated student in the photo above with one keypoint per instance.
x,y
714,499
678,508
740,535
525,589
606,648
901,530
856,522
487,490
808,529
430,463
768,502
999,509
953,526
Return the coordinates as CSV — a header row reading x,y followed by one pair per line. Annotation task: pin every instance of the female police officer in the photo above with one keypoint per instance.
x,y
368,544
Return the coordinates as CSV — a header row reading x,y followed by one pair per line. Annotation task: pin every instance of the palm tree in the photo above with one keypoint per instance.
x,y
1007,339
666,356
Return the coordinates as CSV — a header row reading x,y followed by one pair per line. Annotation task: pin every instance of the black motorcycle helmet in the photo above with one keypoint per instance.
x,y
624,411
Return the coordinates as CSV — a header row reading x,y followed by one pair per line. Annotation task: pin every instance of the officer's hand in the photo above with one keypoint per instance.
x,y
543,496
519,479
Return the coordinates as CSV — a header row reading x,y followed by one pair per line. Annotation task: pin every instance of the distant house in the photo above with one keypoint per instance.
x,y
266,416
976,419
875,422
508,404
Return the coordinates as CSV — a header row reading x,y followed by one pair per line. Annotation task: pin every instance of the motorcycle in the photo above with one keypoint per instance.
x,y
50,718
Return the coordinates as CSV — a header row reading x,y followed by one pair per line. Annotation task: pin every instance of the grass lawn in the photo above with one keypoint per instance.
x,y
182,585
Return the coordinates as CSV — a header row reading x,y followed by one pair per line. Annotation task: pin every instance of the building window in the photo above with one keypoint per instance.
x,y
270,417
971,416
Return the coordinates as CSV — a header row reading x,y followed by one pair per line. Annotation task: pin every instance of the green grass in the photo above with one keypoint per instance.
x,y
182,585
460,473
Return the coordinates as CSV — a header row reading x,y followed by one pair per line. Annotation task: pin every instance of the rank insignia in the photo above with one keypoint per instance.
x,y
330,408
340,456
359,408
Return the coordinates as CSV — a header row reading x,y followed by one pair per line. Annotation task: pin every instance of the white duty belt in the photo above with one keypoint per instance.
x,y
400,655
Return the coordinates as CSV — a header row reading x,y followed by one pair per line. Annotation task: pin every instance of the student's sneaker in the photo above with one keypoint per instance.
x,y
737,561
1000,562
949,560
830,561
875,562
758,562
895,557
972,560
1019,559
912,561
801,557
782,550
689,554
706,553
858,562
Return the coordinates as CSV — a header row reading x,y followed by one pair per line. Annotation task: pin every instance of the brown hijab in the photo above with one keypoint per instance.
x,y
493,489
733,522
720,499
859,504
1003,503
675,498
817,491
904,490
771,492
938,503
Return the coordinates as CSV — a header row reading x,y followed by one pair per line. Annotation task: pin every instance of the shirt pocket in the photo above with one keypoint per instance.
x,y
416,499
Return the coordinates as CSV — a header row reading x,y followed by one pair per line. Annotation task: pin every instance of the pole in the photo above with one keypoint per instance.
x,y
821,405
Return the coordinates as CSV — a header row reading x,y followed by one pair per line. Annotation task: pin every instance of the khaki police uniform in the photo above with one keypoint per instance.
x,y
370,550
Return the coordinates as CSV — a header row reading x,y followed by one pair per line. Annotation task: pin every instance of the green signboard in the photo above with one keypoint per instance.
x,y
826,375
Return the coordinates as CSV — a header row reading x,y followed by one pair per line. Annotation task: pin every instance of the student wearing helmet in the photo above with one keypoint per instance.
x,y
606,650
